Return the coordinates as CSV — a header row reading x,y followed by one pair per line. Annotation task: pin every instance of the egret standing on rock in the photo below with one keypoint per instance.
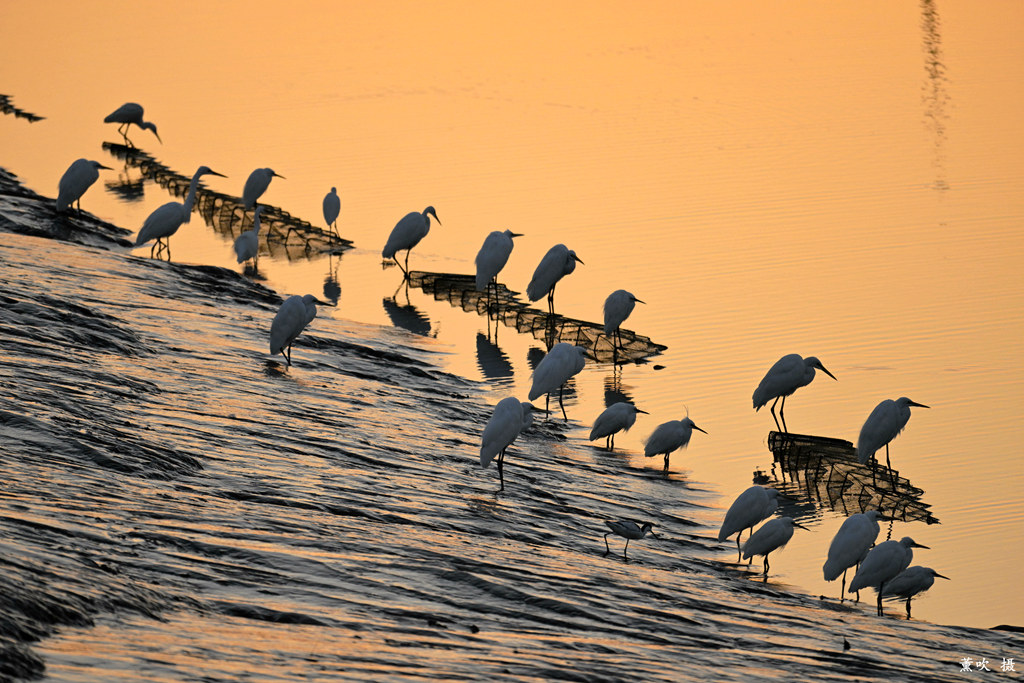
x,y
407,233
556,264
256,184
882,564
773,535
166,220
332,207
510,418
554,370
629,531
79,177
618,417
850,546
787,375
883,424
910,582
294,315
749,509
126,115
617,308
669,436
247,245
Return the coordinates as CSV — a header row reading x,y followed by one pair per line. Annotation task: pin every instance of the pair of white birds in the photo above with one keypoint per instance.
x,y
791,372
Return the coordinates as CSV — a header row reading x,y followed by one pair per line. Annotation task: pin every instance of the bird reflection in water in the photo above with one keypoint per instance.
x,y
406,315
332,286
492,361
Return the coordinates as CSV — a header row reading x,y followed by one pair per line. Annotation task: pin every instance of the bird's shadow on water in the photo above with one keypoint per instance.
x,y
272,368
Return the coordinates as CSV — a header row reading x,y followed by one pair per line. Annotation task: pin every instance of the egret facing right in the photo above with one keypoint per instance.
x,y
755,504
618,417
787,375
166,220
510,418
554,370
256,184
910,582
669,436
850,546
772,536
332,207
407,233
127,114
884,423
79,177
882,564
617,308
492,257
629,531
294,315
556,264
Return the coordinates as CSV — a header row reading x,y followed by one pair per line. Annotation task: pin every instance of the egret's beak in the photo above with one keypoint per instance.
x,y
646,413
532,407
215,173
651,532
698,429
158,137
828,373
578,259
279,175
938,575
918,545
324,303
102,166
515,234
800,526
919,405
638,301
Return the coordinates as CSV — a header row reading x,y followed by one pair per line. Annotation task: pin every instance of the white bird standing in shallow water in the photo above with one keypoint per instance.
x,y
618,417
883,424
256,184
79,177
750,508
556,264
510,418
773,535
850,546
166,220
247,245
910,582
492,257
127,114
787,375
669,436
882,564
554,370
617,308
332,207
294,315
629,531
407,233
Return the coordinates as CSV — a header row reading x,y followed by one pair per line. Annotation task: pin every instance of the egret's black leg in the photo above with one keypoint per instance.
x,y
782,415
562,405
908,608
739,553
777,426
842,591
288,355
606,548
501,469
892,476
881,588
766,564
666,462
624,551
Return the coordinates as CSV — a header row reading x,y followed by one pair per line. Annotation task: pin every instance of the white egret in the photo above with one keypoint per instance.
x,y
882,564
910,582
332,207
669,436
787,375
510,418
556,264
749,509
850,546
618,417
554,370
773,535
166,220
247,245
256,184
492,257
617,308
294,315
126,115
629,531
883,424
407,233
79,177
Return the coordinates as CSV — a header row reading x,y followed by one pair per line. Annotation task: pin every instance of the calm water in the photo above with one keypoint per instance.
x,y
842,182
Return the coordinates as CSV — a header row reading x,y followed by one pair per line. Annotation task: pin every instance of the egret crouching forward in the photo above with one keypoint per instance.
x,y
787,375
629,531
556,264
407,233
669,436
882,564
773,535
510,418
618,417
749,509
910,582
127,114
79,177
554,370
294,315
